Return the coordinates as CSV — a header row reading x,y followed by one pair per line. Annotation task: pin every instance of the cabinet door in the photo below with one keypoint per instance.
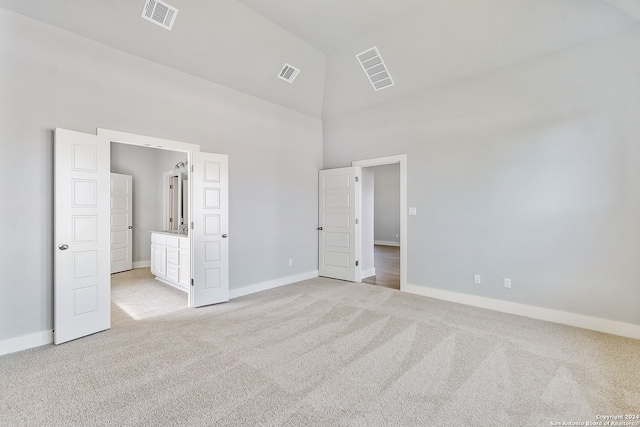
x,y
159,260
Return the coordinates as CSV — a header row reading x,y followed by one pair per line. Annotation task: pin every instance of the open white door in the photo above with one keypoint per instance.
x,y
82,246
209,228
121,223
339,209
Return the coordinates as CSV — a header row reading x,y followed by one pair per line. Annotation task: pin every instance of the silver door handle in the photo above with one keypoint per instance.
x,y
320,228
224,236
130,227
63,247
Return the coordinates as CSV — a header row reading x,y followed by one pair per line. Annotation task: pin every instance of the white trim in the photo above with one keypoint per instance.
x,y
275,283
146,141
26,342
368,273
386,243
141,264
614,327
402,159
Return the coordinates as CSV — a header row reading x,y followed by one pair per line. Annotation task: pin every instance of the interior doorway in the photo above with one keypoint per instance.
x,y
82,291
135,292
381,225
391,258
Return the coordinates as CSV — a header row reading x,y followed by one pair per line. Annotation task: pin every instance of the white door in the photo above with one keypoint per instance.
x,y
209,215
339,210
82,248
121,223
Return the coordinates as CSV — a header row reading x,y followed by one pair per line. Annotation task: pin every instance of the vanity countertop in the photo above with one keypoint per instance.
x,y
171,233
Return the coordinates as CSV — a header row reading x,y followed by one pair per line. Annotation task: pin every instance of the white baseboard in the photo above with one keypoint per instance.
x,y
386,243
275,283
613,327
26,342
367,273
142,264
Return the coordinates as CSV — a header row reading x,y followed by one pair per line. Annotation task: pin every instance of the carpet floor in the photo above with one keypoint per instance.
x,y
325,352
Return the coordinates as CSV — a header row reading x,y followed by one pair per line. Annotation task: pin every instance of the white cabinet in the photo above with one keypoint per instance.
x,y
158,260
170,259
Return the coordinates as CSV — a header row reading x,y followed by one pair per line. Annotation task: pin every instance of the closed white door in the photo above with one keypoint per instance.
x,y
339,210
82,242
121,223
209,215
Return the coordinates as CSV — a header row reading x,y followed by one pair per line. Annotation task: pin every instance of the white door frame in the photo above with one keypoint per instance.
x,y
389,160
162,144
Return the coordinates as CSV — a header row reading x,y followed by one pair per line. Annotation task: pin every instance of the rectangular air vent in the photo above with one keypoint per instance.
x,y
159,13
288,73
375,69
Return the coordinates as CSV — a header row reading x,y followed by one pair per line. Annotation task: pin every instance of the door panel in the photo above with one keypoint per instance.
x,y
339,200
81,224
121,222
210,219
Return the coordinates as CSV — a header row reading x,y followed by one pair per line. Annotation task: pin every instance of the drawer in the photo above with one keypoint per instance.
x,y
159,239
173,256
173,241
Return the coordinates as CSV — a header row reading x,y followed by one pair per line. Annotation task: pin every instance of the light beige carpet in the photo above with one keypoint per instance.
x,y
324,352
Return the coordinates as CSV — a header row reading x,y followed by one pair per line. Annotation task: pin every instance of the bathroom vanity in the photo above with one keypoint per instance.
x,y
170,258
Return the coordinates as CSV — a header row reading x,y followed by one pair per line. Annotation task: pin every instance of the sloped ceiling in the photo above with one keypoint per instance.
x,y
447,40
222,41
243,44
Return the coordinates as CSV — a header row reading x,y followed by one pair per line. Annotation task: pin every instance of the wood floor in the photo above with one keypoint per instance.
x,y
387,264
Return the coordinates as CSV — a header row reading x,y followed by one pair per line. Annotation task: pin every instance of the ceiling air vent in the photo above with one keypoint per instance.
x,y
374,68
288,73
159,13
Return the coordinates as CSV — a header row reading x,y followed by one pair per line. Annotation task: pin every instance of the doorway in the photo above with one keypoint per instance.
x,y
394,259
82,233
380,195
135,293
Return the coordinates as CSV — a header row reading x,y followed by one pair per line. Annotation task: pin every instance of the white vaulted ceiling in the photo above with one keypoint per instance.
x,y
243,44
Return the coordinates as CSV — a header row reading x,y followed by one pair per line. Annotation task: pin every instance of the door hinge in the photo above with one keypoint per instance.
x,y
357,221
191,282
192,225
170,186
357,179
170,219
192,168
357,263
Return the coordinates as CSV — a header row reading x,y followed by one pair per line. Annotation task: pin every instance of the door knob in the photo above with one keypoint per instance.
x,y
130,227
63,247
224,236
320,228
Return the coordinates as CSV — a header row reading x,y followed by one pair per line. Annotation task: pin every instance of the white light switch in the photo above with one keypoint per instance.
x,y
413,211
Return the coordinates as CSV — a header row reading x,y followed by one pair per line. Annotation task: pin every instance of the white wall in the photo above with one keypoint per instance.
x,y
51,78
529,172
387,203
147,167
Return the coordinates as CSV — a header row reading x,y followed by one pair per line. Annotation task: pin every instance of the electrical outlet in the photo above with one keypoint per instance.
x,y
507,283
476,279
290,262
